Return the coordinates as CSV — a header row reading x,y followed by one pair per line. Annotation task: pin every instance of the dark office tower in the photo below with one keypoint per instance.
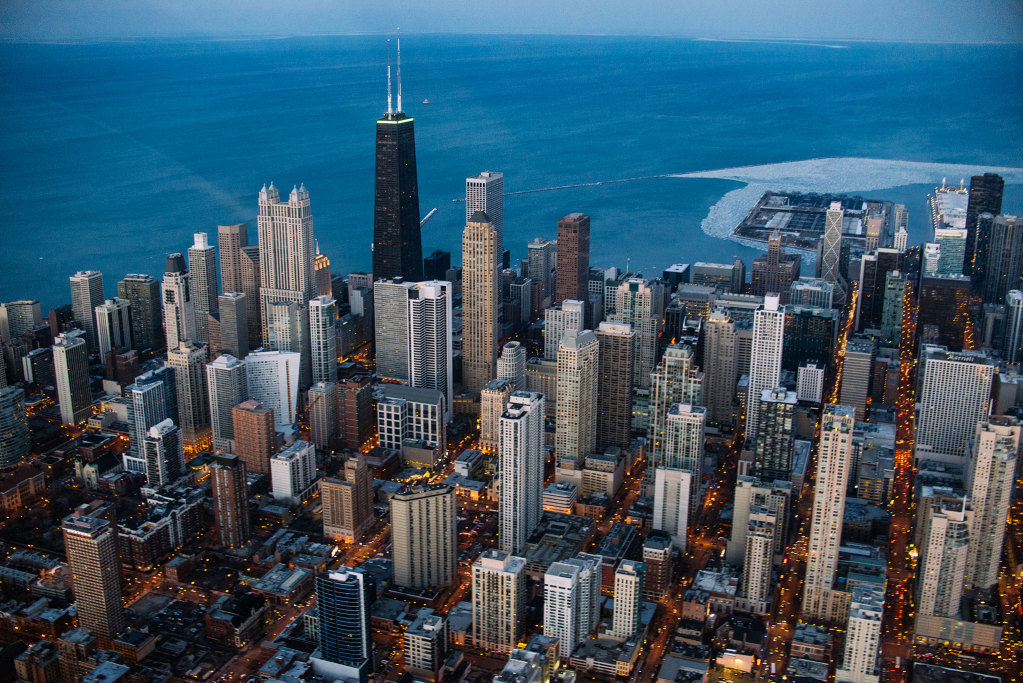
x,y
874,269
230,500
343,599
809,336
772,455
397,246
231,239
946,303
985,197
775,271
202,264
436,265
1003,266
91,545
614,384
249,259
62,318
146,313
572,272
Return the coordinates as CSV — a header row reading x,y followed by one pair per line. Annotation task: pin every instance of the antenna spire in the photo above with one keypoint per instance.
x,y
389,110
399,69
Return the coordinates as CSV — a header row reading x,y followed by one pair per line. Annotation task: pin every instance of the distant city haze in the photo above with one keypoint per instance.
x,y
907,20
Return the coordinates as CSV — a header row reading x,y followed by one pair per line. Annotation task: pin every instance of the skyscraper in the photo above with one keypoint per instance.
x,y
391,322
944,554
113,326
862,634
834,462
152,399
397,244
202,264
751,493
675,380
772,454
15,439
831,255
255,439
719,366
234,325
985,197
775,271
569,316
248,258
573,258
227,379
430,339
86,295
990,480
343,599
162,449
954,398
874,270
293,473
493,400
143,292
571,600
18,318
616,344
758,560
323,413
230,500
498,600
673,491
348,502
323,339
541,263
231,239
91,545
522,469
71,372
1002,268
628,599
511,365
640,303
857,371
273,381
178,307
189,363
480,298
424,533
578,367
485,192
765,357
1012,337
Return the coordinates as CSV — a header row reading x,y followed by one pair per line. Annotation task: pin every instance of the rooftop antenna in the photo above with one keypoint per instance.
x,y
389,109
399,69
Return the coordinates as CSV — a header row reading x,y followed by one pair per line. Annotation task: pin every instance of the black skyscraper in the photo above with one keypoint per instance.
x,y
985,197
397,246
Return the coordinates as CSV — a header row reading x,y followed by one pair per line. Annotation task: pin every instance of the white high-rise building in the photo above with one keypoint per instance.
x,y
831,253
163,451
684,435
862,635
628,599
569,316
956,395
86,295
758,559
944,548
765,356
19,317
151,400
391,333
673,489
640,303
571,600
990,480
178,307
293,472
227,379
676,379
485,192
287,270
273,381
901,239
576,435
424,536
202,264
71,375
511,365
498,600
113,326
323,339
751,493
189,364
521,450
430,339
834,465
810,382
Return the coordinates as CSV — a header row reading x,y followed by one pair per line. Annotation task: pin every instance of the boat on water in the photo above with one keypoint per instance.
x,y
426,101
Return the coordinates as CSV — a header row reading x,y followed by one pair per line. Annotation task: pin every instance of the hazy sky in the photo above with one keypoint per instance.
x,y
915,20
